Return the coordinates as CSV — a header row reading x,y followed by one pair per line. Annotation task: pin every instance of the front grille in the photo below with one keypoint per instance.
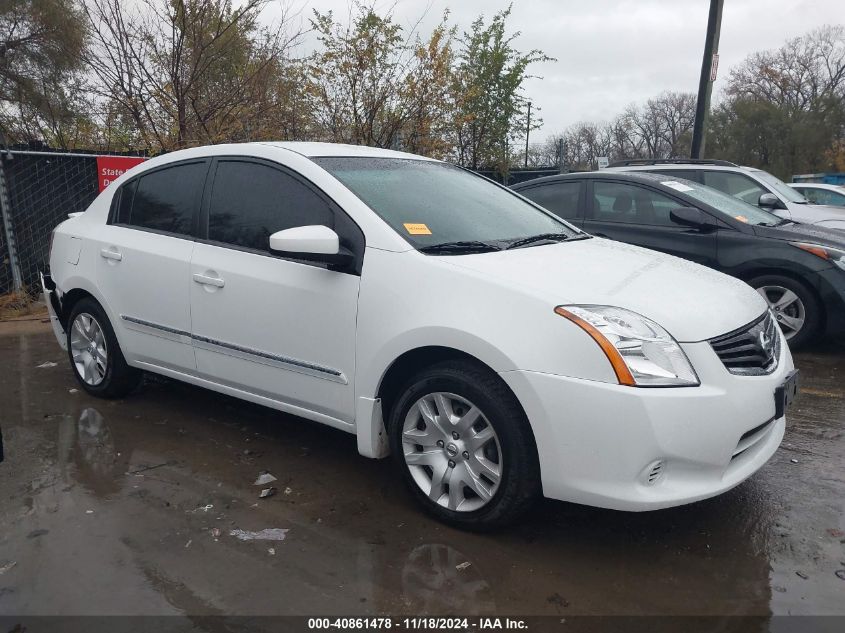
x,y
752,350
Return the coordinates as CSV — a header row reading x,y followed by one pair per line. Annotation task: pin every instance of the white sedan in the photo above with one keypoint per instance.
x,y
821,193
497,352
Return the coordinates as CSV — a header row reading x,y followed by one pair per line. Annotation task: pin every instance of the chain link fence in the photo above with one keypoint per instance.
x,y
37,191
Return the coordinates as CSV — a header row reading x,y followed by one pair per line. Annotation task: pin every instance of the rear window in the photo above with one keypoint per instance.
x,y
164,200
561,198
123,201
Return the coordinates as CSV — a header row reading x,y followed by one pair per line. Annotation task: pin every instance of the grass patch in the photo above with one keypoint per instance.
x,y
18,304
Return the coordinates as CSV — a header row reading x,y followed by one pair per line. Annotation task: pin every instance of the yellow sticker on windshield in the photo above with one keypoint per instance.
x,y
741,218
416,229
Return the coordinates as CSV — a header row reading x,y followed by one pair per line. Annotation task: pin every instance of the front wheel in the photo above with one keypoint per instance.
x,y
795,307
95,356
464,446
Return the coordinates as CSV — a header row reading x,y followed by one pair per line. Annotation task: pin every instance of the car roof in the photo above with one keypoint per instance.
x,y
683,166
304,149
818,185
622,174
320,150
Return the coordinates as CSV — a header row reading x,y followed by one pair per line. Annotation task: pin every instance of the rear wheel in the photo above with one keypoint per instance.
x,y
464,446
95,356
795,307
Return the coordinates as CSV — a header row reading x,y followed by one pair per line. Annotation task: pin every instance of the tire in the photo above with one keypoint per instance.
x,y
481,502
90,337
804,306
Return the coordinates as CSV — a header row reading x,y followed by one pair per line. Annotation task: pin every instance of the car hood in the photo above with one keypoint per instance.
x,y
815,233
690,301
813,213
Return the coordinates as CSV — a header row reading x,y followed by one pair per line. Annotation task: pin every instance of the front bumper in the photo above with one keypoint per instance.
x,y
630,448
54,307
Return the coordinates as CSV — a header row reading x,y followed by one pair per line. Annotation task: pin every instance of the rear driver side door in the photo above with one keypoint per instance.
x,y
563,198
143,259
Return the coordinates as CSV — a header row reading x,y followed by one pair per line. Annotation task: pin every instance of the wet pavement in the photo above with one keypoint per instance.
x,y
126,507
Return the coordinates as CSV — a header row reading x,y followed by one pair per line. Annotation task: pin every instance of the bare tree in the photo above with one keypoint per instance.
x,y
784,110
804,73
185,71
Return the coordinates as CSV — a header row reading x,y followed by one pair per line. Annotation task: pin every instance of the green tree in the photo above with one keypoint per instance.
x,y
370,83
40,57
490,109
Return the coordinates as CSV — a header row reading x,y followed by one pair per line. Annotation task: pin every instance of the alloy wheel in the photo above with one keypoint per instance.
x,y
88,348
452,451
787,307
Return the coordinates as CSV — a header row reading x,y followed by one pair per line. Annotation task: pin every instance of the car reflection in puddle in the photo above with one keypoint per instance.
x,y
88,454
437,578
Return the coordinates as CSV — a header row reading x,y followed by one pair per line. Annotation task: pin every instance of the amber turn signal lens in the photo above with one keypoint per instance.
x,y
623,374
818,251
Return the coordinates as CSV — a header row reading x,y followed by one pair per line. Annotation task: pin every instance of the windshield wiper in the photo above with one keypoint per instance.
x,y
546,237
463,246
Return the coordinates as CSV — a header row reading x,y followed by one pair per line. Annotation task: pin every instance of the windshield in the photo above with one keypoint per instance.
x,y
724,202
431,203
780,187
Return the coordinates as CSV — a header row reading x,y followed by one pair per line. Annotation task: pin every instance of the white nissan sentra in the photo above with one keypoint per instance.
x,y
495,351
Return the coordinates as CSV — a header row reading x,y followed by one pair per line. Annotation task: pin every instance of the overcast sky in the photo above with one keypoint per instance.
x,y
613,52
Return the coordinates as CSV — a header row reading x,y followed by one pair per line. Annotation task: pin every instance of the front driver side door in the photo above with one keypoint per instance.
x,y
264,324
637,214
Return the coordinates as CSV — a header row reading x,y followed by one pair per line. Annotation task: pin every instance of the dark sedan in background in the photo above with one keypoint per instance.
x,y
798,269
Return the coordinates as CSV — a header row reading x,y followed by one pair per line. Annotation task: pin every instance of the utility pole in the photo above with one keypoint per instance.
x,y
560,151
527,132
709,65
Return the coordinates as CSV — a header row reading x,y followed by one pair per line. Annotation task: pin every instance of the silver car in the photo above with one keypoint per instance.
x,y
746,183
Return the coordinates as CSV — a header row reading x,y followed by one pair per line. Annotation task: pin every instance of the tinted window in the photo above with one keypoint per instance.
x,y
123,201
561,198
619,202
737,185
165,199
250,202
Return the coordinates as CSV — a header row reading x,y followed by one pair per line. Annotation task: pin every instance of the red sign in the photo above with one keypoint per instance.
x,y
109,168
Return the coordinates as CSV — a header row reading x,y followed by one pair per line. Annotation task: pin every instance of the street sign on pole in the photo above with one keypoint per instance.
x,y
714,66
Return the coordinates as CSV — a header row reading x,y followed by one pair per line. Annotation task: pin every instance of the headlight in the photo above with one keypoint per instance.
x,y
641,352
833,255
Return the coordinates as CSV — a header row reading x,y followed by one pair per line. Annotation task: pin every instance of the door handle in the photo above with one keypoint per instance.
x,y
209,281
108,253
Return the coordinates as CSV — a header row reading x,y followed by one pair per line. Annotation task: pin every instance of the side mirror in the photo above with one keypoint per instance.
x,y
770,201
692,217
311,243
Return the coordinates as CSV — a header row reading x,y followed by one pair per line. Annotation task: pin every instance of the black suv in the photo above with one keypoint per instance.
x,y
798,269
